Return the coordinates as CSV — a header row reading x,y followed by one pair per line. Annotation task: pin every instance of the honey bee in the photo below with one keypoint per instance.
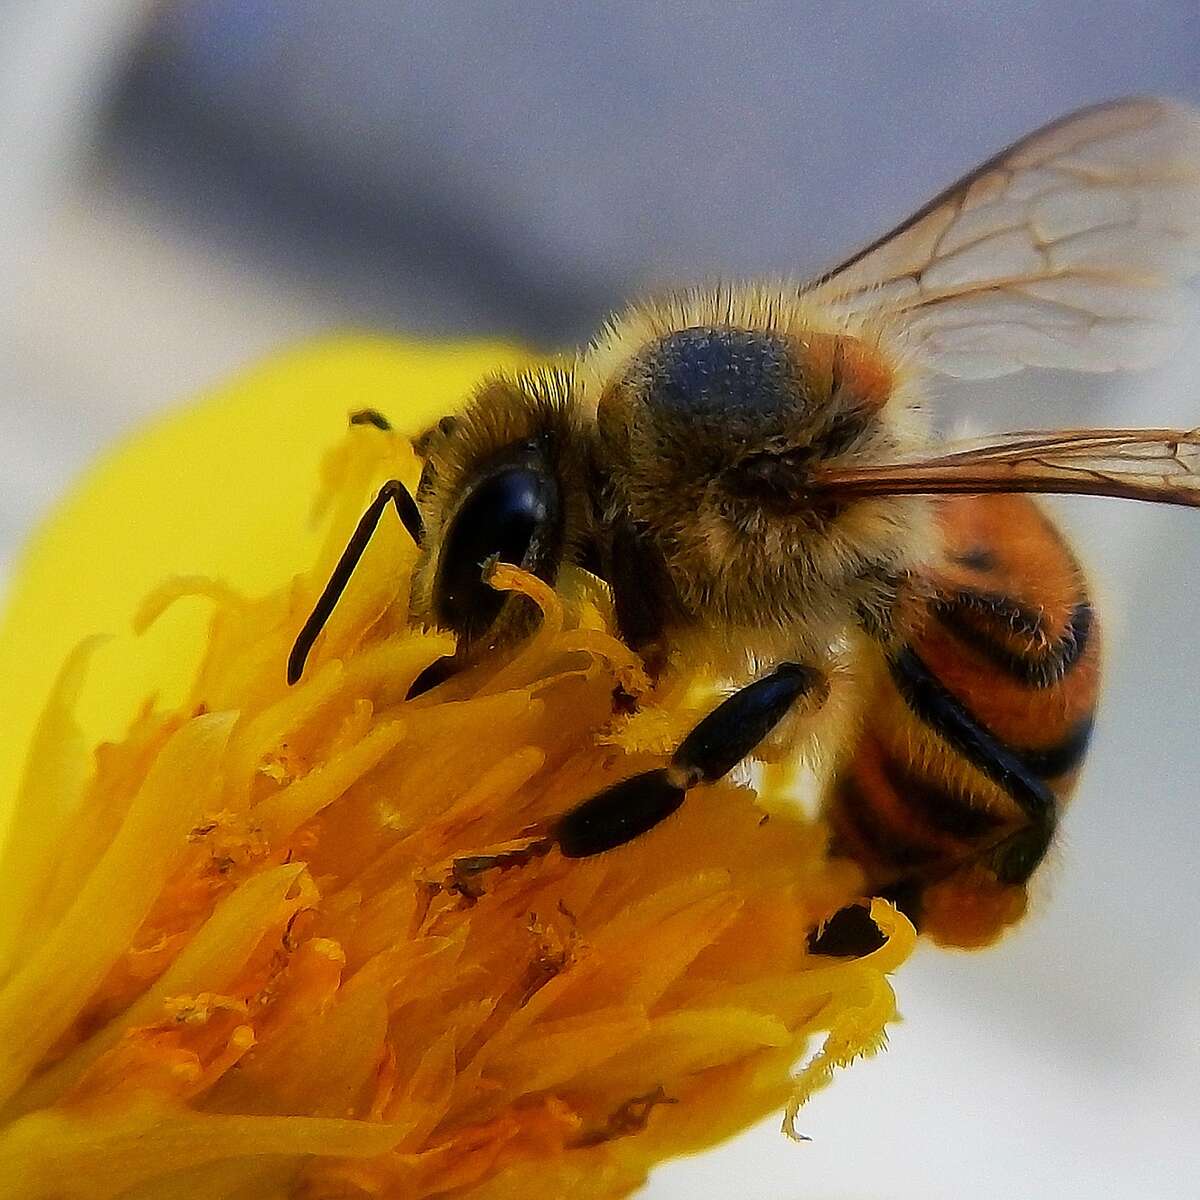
x,y
751,471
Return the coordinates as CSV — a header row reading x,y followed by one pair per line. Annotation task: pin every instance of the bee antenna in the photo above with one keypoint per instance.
x,y
392,492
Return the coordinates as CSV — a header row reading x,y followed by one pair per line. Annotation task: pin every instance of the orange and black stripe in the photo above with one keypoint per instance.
x,y
981,721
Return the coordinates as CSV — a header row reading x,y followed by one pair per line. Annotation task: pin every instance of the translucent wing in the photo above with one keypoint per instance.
x,y
1160,465
1065,250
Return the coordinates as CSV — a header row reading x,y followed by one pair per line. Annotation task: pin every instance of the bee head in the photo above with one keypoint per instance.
x,y
499,484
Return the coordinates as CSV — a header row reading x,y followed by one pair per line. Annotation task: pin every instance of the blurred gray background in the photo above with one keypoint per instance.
x,y
187,186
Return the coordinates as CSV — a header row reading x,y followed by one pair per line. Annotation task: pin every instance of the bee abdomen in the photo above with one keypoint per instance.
x,y
895,817
1011,637
979,727
990,623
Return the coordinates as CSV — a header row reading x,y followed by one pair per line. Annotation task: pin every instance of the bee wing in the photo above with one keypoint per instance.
x,y
1065,250
1159,465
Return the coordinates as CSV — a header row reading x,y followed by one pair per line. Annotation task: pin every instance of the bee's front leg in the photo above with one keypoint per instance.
x,y
713,748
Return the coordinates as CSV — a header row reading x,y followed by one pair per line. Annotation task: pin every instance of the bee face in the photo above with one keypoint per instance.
x,y
500,483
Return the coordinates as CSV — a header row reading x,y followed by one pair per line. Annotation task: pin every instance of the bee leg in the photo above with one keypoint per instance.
x,y
434,675
642,594
1016,858
851,933
392,492
424,443
371,416
713,748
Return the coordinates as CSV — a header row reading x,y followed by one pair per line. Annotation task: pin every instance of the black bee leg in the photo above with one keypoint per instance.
x,y
371,416
642,593
714,747
850,932
392,492
1016,856
433,675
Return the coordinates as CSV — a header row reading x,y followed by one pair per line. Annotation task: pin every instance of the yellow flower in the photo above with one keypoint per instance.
x,y
240,954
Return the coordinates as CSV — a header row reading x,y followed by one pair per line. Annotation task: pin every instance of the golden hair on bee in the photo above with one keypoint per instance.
x,y
713,407
783,308
751,471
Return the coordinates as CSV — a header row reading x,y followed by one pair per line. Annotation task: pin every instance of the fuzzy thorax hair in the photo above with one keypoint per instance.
x,y
712,406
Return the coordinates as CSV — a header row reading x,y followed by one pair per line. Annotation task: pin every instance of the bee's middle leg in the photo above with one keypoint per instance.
x,y
713,748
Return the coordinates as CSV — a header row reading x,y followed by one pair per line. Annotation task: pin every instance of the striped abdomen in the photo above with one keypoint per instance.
x,y
974,738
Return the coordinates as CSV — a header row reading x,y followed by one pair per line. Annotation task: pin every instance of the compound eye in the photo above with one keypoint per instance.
x,y
512,515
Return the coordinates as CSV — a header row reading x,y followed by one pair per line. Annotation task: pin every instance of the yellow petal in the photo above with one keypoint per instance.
x,y
83,1156
211,960
222,488
43,805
